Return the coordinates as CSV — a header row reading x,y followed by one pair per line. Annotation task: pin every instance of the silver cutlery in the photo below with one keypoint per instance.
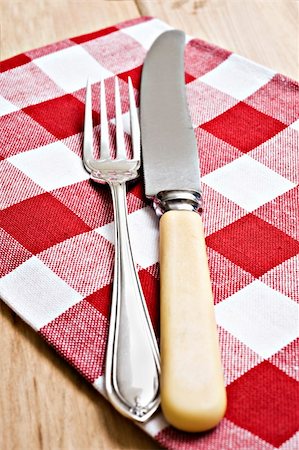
x,y
193,396
132,358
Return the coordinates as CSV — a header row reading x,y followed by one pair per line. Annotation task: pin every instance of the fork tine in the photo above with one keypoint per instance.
x,y
134,123
120,141
88,129
104,147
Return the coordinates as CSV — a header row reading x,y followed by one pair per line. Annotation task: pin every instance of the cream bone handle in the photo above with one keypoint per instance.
x,y
193,396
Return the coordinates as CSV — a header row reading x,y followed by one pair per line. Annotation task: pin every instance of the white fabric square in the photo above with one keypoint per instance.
x,y
70,67
143,228
6,107
146,33
52,166
36,293
263,319
99,385
295,125
291,443
126,121
155,425
247,182
238,77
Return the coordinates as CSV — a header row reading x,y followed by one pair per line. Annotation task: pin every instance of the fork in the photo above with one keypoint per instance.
x,y
132,357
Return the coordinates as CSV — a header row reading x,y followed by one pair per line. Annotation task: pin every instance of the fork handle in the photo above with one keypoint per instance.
x,y
132,358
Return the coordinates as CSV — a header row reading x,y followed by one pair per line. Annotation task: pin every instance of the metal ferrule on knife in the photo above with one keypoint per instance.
x,y
177,200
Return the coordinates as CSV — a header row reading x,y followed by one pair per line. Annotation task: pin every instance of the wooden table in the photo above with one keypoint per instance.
x,y
44,403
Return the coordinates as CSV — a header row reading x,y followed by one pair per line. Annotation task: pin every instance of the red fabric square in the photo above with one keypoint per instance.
x,y
253,244
189,78
278,98
101,300
62,116
137,189
32,135
94,35
41,222
79,335
244,127
265,402
201,57
15,61
135,75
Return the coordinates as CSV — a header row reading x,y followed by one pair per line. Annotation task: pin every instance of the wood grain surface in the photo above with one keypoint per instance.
x,y
44,403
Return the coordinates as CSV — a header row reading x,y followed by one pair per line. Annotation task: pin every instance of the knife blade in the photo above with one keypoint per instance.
x,y
193,396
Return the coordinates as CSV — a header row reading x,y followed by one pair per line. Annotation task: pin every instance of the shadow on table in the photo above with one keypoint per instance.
x,y
56,393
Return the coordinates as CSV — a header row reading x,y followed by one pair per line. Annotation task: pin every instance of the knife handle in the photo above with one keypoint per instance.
x,y
193,396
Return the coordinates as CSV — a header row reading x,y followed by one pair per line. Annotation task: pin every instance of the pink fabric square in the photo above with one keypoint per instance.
x,y
218,211
281,212
206,102
285,278
278,99
28,85
85,262
17,185
213,152
202,57
109,51
96,209
47,49
226,436
277,154
12,141
227,278
12,253
80,335
241,358
287,359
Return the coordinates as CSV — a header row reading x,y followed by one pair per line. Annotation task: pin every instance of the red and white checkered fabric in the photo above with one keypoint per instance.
x,y
57,229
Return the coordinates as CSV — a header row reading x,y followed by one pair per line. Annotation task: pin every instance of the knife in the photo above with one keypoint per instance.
x,y
193,396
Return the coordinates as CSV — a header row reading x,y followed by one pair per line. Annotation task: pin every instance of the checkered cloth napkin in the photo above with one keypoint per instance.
x,y
57,227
